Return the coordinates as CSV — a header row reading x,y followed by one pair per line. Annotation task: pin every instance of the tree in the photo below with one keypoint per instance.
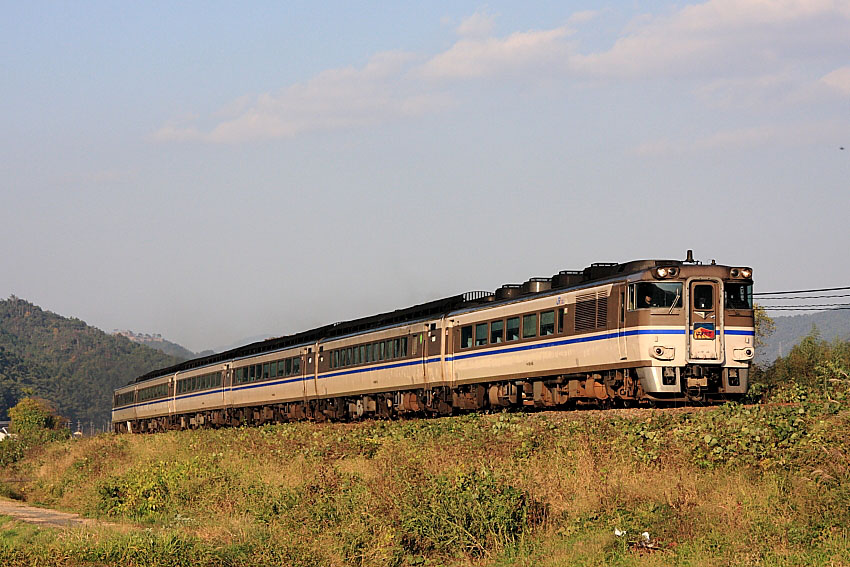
x,y
764,325
35,422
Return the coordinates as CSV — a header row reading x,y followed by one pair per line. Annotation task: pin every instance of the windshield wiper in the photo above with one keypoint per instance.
x,y
675,301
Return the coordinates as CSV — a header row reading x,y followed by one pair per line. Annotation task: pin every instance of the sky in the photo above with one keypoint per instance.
x,y
218,171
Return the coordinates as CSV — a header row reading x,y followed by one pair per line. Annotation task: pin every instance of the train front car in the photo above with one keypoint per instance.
x,y
693,325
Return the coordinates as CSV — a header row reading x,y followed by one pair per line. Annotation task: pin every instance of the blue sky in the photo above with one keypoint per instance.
x,y
217,171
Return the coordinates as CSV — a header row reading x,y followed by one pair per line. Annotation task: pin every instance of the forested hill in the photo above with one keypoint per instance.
x,y
65,361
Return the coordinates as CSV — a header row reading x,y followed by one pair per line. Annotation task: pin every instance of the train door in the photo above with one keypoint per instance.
x,y
311,359
705,316
621,324
226,383
420,350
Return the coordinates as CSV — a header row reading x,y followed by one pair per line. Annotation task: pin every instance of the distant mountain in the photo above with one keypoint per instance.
x,y
160,344
67,362
790,329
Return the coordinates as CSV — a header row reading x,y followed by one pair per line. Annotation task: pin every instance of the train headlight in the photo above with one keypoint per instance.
x,y
742,273
746,273
734,272
666,272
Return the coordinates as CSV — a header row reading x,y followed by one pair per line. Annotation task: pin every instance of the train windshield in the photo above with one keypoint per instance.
x,y
738,295
645,295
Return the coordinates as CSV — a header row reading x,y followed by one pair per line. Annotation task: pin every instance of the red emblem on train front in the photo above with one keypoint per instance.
x,y
704,331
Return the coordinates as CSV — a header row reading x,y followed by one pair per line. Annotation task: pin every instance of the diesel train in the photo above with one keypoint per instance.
x,y
645,331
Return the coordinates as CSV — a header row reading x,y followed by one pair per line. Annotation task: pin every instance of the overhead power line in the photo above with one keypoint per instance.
x,y
806,308
804,297
802,291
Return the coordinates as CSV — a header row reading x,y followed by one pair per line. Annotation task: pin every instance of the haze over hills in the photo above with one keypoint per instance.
x,y
64,360
157,342
834,324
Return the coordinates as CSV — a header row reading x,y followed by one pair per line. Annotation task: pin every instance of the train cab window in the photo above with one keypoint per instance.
x,y
646,295
547,323
480,334
738,296
704,296
497,332
466,336
529,326
513,328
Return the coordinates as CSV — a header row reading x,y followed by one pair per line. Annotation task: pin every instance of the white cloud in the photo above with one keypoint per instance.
x,y
838,79
715,37
732,53
470,58
479,24
336,98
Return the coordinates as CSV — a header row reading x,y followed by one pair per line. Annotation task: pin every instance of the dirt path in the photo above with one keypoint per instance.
x,y
44,516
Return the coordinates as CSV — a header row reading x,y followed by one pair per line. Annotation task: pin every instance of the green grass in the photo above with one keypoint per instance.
x,y
762,485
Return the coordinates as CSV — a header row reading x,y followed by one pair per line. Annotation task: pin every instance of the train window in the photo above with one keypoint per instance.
x,y
529,326
356,359
403,346
480,334
288,366
363,354
381,346
466,336
396,348
738,296
273,370
281,367
561,313
704,296
296,365
497,332
644,295
547,323
266,371
513,328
